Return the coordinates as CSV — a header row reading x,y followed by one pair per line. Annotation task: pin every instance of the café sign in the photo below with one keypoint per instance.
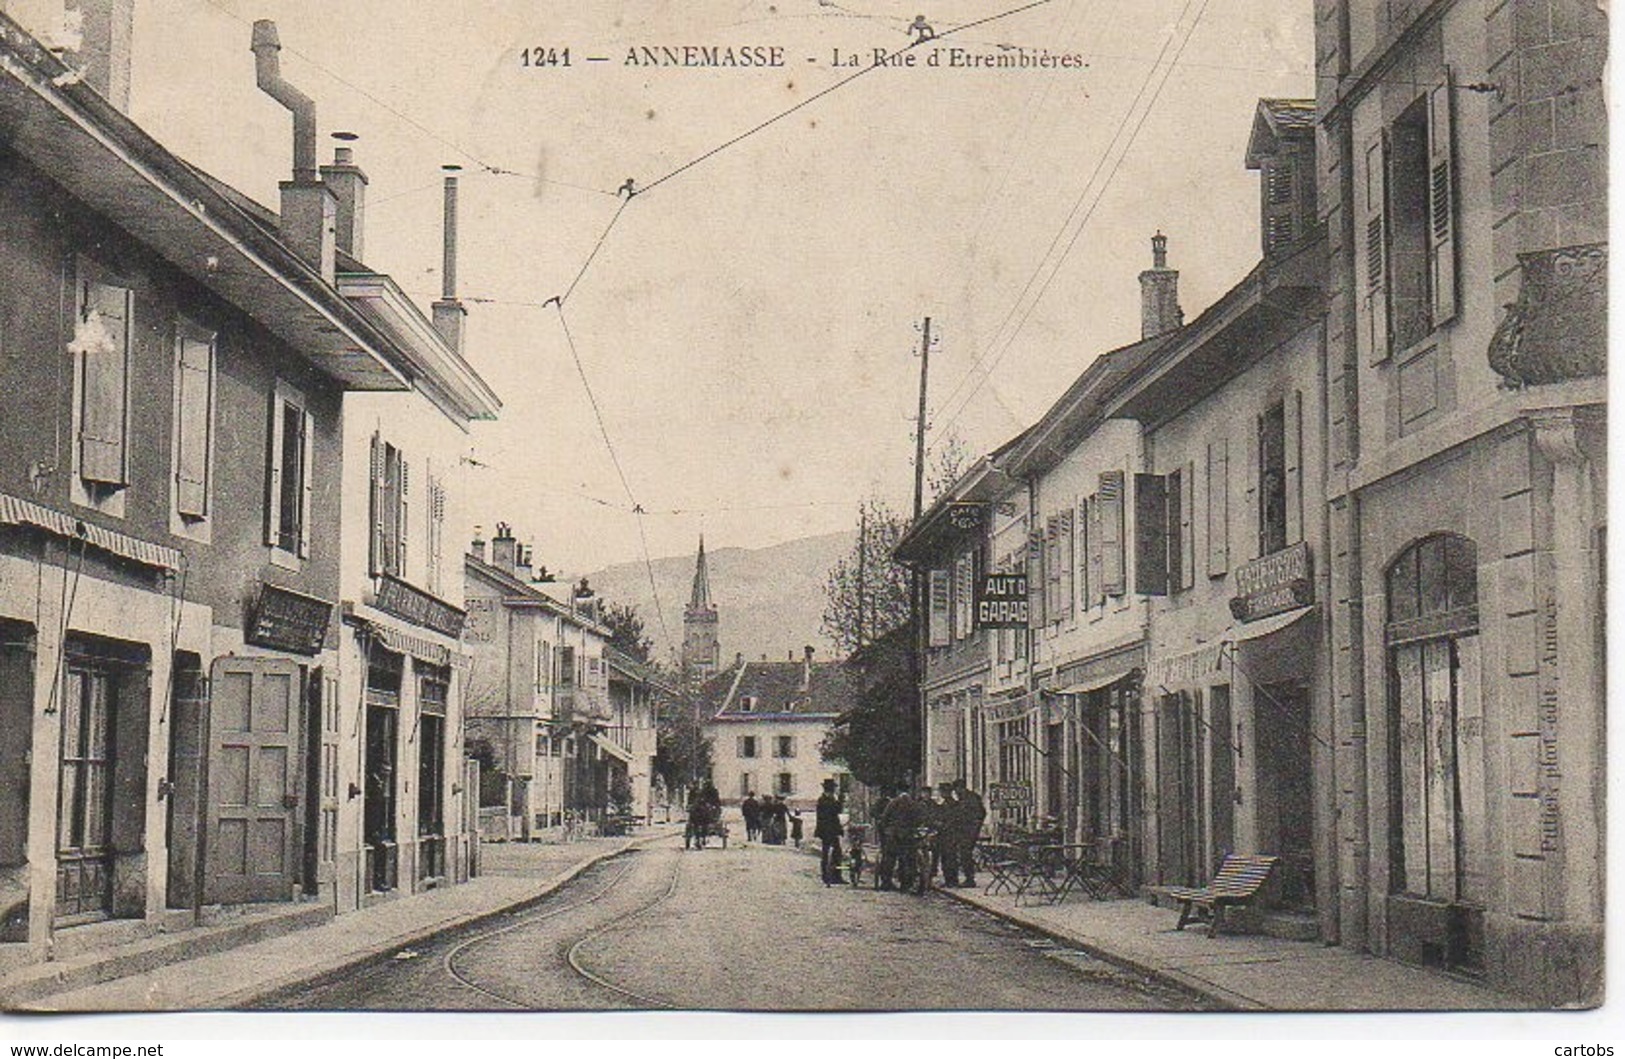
x,y
1013,795
418,607
963,516
1274,584
1001,601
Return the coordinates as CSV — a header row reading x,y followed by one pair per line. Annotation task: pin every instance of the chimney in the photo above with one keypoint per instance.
x,y
449,314
349,186
521,562
582,600
92,36
1159,293
503,548
476,548
309,210
806,667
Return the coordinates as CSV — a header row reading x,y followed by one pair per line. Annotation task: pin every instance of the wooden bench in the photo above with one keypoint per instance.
x,y
1240,878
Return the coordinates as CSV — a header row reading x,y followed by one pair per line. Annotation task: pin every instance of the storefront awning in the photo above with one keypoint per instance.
x,y
19,512
1083,687
612,748
1257,630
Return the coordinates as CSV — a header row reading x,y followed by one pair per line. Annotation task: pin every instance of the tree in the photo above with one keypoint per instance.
x,y
866,593
949,457
878,739
682,751
627,631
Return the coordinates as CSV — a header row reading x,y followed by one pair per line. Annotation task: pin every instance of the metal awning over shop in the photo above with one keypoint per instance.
x,y
612,748
1084,687
1258,630
18,512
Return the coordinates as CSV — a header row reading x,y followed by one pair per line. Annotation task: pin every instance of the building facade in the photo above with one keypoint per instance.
x,y
1463,189
170,545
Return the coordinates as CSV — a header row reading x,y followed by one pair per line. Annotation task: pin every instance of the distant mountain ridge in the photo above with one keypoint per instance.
x,y
770,601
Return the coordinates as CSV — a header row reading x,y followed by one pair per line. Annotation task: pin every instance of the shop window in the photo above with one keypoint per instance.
x,y
289,479
1436,721
433,688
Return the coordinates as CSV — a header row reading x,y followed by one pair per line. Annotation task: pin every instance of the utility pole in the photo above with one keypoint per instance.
x,y
919,424
863,558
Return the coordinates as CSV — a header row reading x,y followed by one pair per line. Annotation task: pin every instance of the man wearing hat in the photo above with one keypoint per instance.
x,y
950,832
972,811
827,830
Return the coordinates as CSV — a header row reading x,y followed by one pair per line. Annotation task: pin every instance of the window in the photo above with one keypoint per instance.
x,y
784,746
101,351
747,703
567,666
85,814
194,420
544,664
1439,827
1408,276
1272,491
785,785
289,480
391,482
747,746
747,784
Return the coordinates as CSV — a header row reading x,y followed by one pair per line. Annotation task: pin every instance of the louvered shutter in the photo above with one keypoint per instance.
x,y
1279,201
1442,200
1113,573
273,475
376,490
939,589
194,377
1097,553
1254,532
1187,527
307,478
1293,413
1037,616
1373,265
1084,586
1068,559
1150,535
102,341
1218,507
402,529
1052,569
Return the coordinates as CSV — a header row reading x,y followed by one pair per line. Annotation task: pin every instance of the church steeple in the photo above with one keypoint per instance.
x,y
702,651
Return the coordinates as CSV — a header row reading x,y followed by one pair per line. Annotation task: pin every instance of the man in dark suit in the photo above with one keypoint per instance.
x,y
972,811
827,830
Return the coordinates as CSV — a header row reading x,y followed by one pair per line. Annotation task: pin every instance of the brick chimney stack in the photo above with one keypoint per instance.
x,y
806,668
504,549
1159,293
349,186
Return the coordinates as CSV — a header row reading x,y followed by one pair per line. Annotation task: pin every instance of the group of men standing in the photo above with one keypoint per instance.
x,y
952,823
767,821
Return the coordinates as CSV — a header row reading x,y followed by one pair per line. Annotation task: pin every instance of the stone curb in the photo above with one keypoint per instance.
x,y
1218,995
356,957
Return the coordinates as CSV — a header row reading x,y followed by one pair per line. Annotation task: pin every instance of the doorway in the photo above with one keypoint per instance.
x,y
1286,788
256,722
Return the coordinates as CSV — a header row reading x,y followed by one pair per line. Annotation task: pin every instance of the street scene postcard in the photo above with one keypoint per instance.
x,y
803,506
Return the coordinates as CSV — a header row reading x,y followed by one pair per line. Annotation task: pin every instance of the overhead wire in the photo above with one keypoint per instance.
x,y
1077,232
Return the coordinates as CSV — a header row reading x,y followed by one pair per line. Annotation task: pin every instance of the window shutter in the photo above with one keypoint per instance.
x,y
1254,532
401,521
1294,469
741,749
1082,553
1068,564
273,474
102,340
1187,527
194,379
376,489
939,589
1218,507
1150,535
307,476
1373,268
1279,199
1052,569
1442,200
1097,553
1037,616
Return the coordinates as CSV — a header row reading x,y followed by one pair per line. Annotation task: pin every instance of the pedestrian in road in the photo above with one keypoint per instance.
x,y
949,830
972,813
900,825
751,809
930,820
883,863
827,830
795,827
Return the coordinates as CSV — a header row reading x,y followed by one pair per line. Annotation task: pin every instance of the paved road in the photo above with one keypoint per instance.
x,y
743,929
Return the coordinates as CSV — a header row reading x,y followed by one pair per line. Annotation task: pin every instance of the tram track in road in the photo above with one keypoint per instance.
x,y
572,958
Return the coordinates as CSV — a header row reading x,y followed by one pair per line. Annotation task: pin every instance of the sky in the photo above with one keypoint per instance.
x,y
749,324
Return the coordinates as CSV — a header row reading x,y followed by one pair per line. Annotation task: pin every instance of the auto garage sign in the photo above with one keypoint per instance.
x,y
1001,601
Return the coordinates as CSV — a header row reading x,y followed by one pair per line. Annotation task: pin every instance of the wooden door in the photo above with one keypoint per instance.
x,y
254,780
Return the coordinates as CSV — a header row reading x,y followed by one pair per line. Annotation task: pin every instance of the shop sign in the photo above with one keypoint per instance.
x,y
1190,669
418,607
1017,794
1274,584
966,517
288,621
1006,709
1002,601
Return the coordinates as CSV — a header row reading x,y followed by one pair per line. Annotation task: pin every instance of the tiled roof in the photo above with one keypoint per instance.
x,y
1291,113
776,690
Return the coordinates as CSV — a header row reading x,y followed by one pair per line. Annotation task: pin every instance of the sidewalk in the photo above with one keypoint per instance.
x,y
1245,972
196,977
